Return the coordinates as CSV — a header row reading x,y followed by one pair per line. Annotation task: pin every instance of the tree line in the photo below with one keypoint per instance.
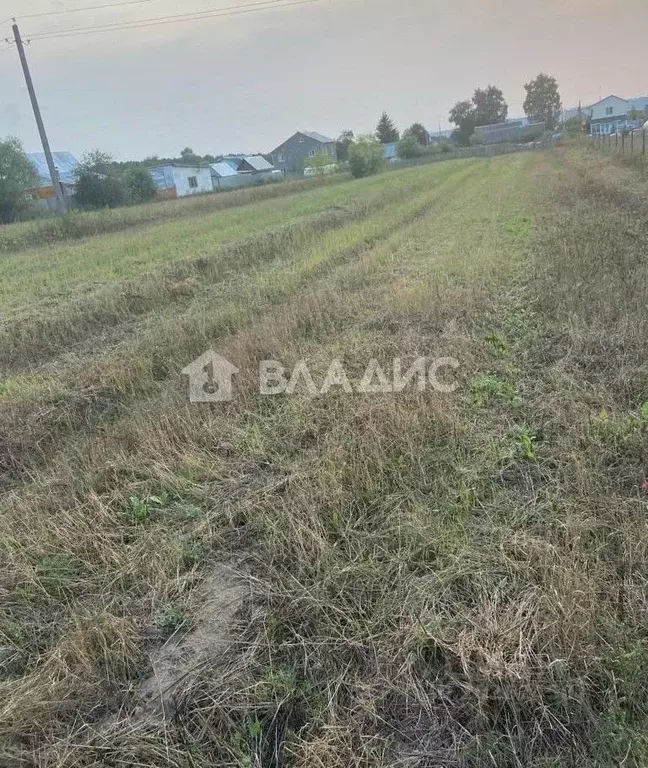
x,y
103,182
487,106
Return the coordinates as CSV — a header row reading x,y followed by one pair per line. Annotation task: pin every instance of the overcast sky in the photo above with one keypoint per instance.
x,y
247,82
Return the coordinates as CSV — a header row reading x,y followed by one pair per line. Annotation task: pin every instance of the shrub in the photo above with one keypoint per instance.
x,y
16,175
98,184
409,147
140,186
320,164
366,156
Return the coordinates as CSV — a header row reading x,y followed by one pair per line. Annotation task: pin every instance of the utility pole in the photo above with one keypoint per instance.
x,y
39,120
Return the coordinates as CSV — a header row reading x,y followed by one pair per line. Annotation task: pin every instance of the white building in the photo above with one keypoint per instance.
x,y
611,114
182,180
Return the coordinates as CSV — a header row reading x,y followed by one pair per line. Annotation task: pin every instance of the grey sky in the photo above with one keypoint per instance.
x,y
247,82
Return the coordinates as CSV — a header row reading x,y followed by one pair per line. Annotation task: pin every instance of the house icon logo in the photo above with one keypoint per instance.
x,y
210,379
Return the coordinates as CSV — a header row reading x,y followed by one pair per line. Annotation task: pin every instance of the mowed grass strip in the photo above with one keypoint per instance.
x,y
78,225
51,406
39,332
58,272
336,498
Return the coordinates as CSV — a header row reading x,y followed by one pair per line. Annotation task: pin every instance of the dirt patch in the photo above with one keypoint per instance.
x,y
220,596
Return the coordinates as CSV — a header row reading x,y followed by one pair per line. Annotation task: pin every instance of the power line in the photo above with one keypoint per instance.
x,y
191,16
77,10
195,16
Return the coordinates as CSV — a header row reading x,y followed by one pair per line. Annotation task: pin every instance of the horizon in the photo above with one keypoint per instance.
x,y
230,84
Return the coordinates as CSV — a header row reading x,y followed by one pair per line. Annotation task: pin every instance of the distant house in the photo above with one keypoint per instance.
x,y
66,165
233,161
226,177
513,131
257,167
241,170
291,156
254,164
181,180
613,114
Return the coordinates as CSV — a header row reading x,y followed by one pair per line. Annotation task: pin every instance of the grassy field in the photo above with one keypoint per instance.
x,y
370,580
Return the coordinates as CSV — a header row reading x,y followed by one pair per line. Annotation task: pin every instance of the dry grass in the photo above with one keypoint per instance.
x,y
433,580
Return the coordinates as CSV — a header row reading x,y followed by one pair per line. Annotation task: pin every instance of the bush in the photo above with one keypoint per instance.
x,y
366,156
140,186
409,148
94,190
574,125
98,184
16,176
320,165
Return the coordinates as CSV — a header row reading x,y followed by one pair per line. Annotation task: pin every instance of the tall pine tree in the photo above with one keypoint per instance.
x,y
387,132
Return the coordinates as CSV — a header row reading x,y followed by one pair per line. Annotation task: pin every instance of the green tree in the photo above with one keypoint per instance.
x,y
418,132
189,156
575,125
408,147
140,187
489,105
542,102
17,175
386,131
486,107
98,183
463,116
366,156
342,145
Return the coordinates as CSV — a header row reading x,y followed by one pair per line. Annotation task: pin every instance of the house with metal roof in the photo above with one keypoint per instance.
x,y
241,170
66,165
233,160
614,114
65,162
175,180
292,155
510,131
224,176
254,164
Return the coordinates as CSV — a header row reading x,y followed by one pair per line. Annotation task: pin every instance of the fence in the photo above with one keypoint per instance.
x,y
633,143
